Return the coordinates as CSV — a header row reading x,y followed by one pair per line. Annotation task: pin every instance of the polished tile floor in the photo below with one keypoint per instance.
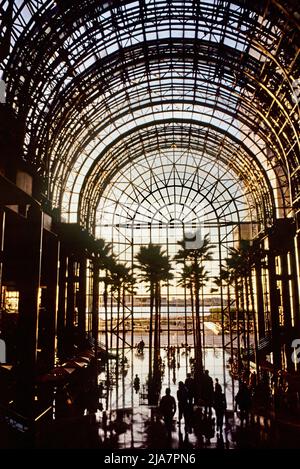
x,y
130,422
125,420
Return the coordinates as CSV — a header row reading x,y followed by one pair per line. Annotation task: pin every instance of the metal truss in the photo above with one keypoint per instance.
x,y
87,78
199,146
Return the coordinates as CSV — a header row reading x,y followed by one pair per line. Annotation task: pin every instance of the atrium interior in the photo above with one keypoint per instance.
x,y
149,224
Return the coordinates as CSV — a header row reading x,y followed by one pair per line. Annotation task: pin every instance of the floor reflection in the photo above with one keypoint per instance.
x,y
127,420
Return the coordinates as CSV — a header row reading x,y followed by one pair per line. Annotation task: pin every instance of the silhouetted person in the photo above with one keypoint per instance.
x,y
167,407
190,385
220,407
182,398
218,387
243,401
136,384
207,391
140,347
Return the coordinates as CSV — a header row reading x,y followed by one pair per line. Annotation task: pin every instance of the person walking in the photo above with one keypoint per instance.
x,y
207,392
182,399
243,401
136,384
167,408
218,387
190,386
219,406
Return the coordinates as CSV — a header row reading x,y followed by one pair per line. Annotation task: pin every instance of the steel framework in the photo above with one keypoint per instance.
x,y
87,78
143,117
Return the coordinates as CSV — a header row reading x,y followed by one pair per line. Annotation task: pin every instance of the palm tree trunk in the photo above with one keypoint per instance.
x,y
198,355
203,332
154,382
237,307
151,330
95,316
155,366
111,317
230,319
248,321
156,370
159,316
254,327
193,318
123,322
185,323
105,299
230,332
118,330
242,290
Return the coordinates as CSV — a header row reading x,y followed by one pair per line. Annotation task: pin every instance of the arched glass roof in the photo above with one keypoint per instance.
x,y
192,151
99,85
174,186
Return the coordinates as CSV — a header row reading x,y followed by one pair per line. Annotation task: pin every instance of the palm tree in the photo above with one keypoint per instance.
x,y
103,256
225,279
240,263
194,268
155,268
128,286
107,267
121,281
234,267
185,281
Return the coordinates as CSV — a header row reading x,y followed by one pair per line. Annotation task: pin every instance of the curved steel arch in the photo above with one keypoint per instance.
x,y
50,50
189,136
74,135
200,132
135,122
97,112
199,192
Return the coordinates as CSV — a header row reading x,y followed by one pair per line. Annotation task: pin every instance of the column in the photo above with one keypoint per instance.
x,y
28,313
259,302
286,311
82,300
295,270
276,348
61,312
69,328
51,276
2,231
95,317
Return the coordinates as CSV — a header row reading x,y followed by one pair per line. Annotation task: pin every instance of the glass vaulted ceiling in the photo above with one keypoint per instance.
x,y
95,82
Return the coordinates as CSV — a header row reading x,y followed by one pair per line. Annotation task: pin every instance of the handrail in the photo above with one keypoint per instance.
x,y
43,413
26,422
